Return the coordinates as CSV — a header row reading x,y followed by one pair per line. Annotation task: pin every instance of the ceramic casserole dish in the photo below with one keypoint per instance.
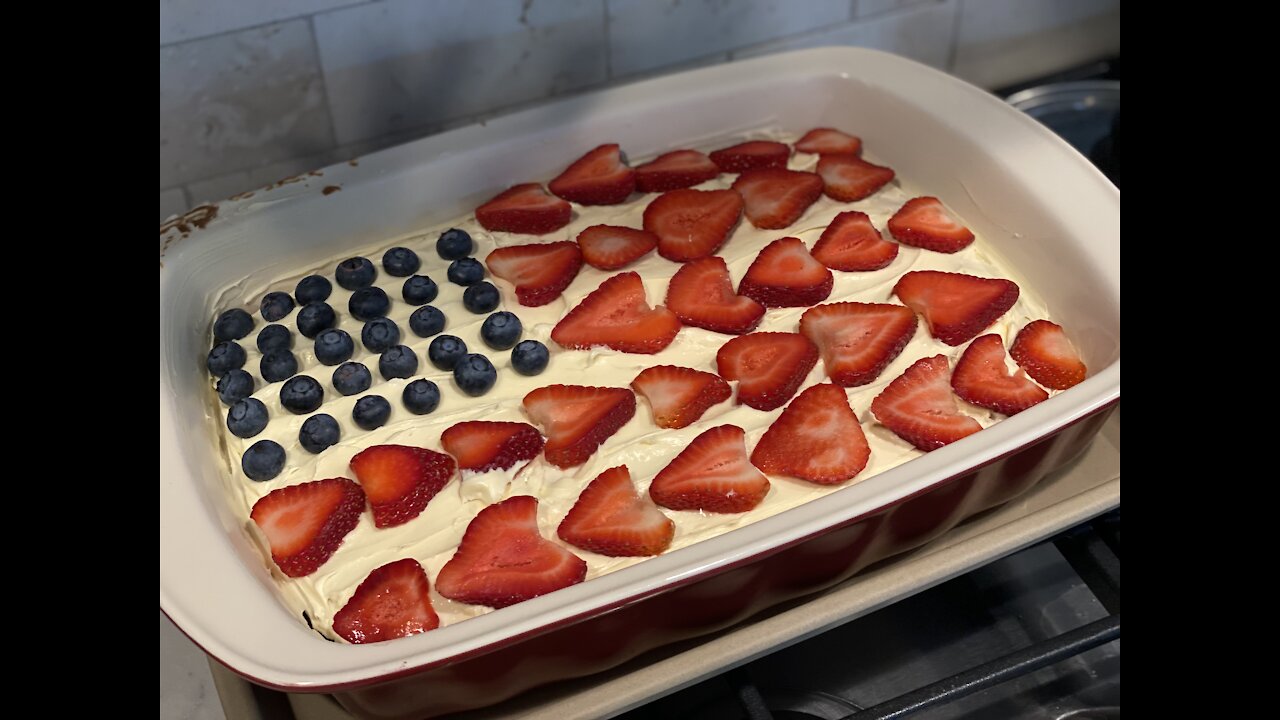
x,y
1038,202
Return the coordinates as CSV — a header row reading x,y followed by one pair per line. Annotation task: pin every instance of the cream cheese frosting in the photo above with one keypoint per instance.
x,y
643,447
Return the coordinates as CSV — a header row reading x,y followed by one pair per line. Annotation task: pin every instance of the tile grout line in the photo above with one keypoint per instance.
x,y
324,85
608,44
853,11
268,23
955,37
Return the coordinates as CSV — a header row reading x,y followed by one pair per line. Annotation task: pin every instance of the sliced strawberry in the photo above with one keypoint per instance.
x,y
784,274
769,366
576,419
858,340
540,271
692,224
753,154
394,601
482,445
775,197
712,474
701,294
679,396
847,178
601,177
610,518
829,141
817,438
609,247
923,222
617,315
957,307
1043,350
851,243
400,480
524,209
918,406
982,378
675,170
503,559
304,524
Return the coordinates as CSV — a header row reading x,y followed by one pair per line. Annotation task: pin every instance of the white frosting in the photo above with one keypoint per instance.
x,y
640,445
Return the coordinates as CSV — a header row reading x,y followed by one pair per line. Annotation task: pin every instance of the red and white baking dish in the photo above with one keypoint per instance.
x,y
1040,203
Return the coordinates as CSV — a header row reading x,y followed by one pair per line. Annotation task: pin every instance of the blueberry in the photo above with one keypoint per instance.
x,y
529,357
247,417
301,394
263,460
352,378
369,303
334,347
421,396
226,355
278,365
475,375
454,244
314,317
236,385
467,271
313,288
355,273
398,362
445,351
501,330
371,412
276,305
274,337
419,290
426,321
400,262
319,432
379,334
232,325
480,298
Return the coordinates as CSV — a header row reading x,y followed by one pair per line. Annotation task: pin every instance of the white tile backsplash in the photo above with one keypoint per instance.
x,y
649,34
922,33
239,101
182,20
868,8
1003,42
172,202
986,21
400,64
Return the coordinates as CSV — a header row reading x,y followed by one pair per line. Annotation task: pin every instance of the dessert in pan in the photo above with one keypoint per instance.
x,y
613,365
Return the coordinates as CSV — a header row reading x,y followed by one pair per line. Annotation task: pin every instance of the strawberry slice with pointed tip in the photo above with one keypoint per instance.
x,y
753,154
617,315
675,170
847,178
1043,350
609,247
774,198
678,395
924,222
701,294
601,177
858,340
394,601
982,378
400,480
918,406
956,306
784,274
610,518
304,524
817,438
692,224
712,474
483,445
539,271
852,244
504,560
829,141
577,419
526,209
768,366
